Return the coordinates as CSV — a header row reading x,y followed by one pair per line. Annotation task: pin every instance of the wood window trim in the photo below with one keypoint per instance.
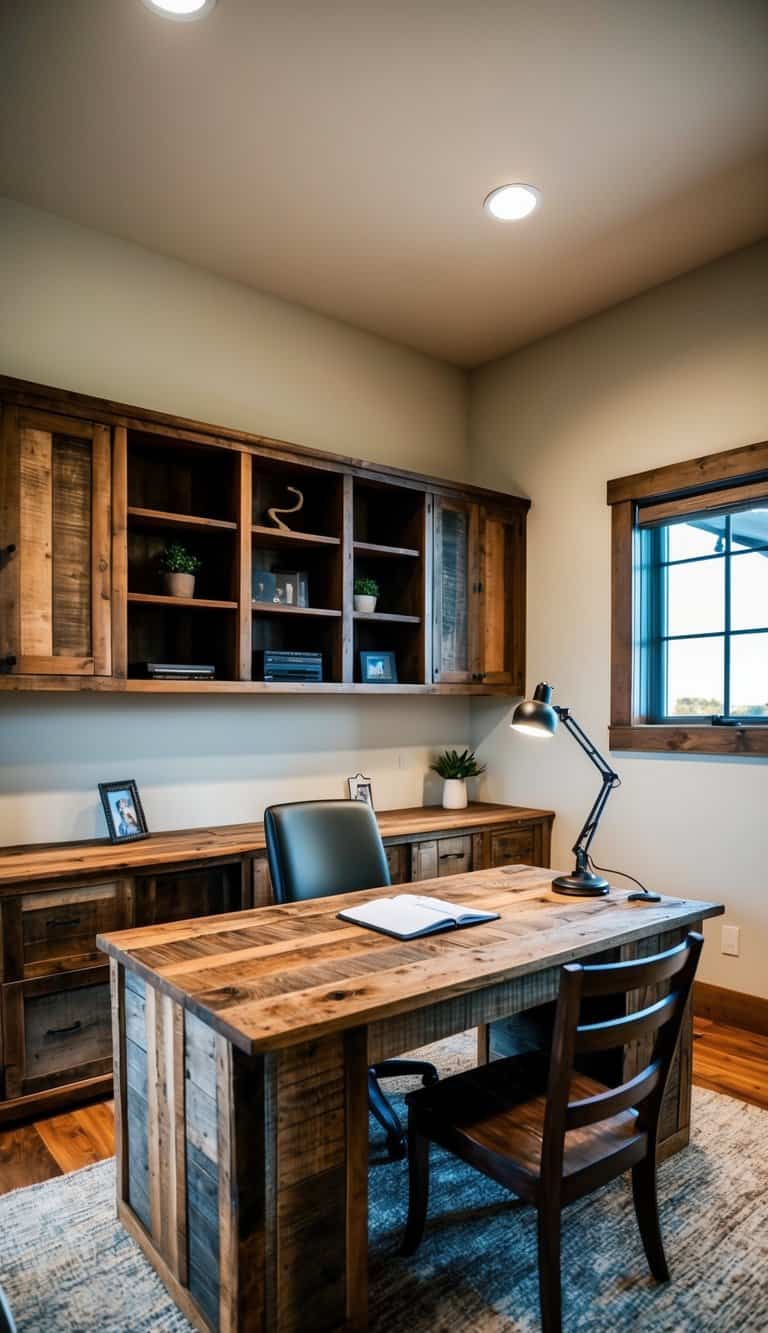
x,y
734,471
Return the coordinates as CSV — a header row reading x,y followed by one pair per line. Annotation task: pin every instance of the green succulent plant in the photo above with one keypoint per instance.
x,y
176,559
451,764
366,588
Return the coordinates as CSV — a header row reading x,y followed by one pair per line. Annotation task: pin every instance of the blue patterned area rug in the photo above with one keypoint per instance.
x,y
68,1267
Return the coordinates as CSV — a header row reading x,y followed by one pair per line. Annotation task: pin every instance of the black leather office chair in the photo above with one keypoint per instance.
x,y
319,848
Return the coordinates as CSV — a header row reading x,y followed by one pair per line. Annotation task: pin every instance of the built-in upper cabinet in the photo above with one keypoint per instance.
x,y
55,535
479,593
94,495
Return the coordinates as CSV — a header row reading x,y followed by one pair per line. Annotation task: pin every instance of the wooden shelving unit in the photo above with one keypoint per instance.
x,y
449,561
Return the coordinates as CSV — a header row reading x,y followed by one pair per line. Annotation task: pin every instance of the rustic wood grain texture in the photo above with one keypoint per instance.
x,y
36,522
53,861
260,1009
728,466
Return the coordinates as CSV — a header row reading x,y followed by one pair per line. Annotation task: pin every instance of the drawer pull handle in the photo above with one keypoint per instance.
x,y
59,924
452,856
64,1032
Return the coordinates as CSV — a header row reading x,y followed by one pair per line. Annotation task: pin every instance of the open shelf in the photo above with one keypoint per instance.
x,y
158,518
168,476
265,536
386,552
387,616
204,603
277,609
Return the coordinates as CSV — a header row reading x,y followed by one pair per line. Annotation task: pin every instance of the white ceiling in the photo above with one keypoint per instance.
x,y
338,153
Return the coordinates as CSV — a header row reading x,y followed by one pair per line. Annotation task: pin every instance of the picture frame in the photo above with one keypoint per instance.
x,y
361,789
123,811
378,668
291,587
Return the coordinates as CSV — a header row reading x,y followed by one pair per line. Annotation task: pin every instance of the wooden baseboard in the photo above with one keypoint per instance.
x,y
731,1007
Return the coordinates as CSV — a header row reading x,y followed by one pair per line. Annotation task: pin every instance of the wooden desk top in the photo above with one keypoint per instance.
x,y
67,860
277,976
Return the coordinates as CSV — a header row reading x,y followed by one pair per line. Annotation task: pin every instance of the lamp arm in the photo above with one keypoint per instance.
x,y
610,779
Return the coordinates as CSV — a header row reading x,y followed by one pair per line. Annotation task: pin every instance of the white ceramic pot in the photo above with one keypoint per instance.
x,y
365,604
179,585
454,793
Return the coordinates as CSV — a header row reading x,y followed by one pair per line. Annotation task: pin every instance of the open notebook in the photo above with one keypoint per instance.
x,y
408,916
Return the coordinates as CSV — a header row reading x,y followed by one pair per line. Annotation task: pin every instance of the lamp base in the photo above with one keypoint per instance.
x,y
581,884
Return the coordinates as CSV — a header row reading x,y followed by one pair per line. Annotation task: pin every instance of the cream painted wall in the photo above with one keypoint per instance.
x,y
84,311
678,372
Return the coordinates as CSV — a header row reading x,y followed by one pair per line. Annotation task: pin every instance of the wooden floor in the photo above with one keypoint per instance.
x,y
725,1059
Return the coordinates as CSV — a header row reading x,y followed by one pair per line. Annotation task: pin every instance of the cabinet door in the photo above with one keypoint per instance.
x,y
455,627
502,598
55,583
57,1030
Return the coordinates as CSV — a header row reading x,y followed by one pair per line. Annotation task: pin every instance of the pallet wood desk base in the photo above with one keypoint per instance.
x,y
241,1050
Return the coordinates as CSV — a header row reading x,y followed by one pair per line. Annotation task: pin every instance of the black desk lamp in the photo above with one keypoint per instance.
x,y
538,717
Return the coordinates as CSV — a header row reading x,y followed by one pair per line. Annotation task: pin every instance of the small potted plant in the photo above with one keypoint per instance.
x,y
454,769
178,567
366,592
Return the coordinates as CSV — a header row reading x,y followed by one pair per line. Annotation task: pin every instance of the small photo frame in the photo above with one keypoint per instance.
x,y
123,811
291,588
360,789
378,669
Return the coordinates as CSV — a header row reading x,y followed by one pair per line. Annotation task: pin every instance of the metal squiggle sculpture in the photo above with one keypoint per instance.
x,y
294,509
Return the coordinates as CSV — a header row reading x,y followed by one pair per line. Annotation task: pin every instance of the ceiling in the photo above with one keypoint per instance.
x,y
338,153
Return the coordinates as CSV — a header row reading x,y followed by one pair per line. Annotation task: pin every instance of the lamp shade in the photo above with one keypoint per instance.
x,y
536,716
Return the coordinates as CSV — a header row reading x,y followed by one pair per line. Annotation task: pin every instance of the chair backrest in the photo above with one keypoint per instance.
x,y
318,848
660,1020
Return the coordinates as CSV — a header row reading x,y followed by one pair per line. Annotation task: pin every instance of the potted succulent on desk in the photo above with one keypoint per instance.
x,y
454,769
178,567
365,592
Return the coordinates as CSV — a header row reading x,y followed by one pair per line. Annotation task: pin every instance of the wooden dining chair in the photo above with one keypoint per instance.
x,y
551,1134
319,848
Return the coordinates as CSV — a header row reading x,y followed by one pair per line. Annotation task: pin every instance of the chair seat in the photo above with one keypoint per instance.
x,y
493,1118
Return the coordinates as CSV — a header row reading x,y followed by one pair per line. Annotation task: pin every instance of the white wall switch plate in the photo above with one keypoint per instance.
x,y
729,940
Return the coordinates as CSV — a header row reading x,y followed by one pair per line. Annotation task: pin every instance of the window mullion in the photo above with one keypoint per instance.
x,y
727,635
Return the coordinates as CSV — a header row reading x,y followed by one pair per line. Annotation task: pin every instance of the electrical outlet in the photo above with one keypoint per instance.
x,y
729,940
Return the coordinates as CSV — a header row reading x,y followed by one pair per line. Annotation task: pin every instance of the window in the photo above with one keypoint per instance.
x,y
706,604
689,660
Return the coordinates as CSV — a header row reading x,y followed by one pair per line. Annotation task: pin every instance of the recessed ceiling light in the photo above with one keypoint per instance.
x,y
511,202
181,9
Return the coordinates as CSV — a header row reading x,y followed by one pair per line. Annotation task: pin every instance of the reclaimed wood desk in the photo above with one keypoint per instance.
x,y
241,1049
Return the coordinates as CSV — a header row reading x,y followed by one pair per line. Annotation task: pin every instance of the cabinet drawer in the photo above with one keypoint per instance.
x,y
57,1030
59,928
513,847
183,894
397,860
441,856
454,855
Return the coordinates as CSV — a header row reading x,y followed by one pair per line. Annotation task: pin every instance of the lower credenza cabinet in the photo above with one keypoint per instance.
x,y
55,1029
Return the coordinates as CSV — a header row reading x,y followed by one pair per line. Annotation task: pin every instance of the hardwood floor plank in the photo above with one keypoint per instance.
x,y
78,1138
24,1159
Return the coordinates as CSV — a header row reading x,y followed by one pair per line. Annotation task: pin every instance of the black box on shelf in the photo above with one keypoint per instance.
x,y
276,664
172,671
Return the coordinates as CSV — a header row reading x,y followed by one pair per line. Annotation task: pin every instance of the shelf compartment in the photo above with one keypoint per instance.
x,y
158,518
302,630
198,603
387,617
266,536
182,630
214,543
388,518
177,477
320,514
399,635
372,549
